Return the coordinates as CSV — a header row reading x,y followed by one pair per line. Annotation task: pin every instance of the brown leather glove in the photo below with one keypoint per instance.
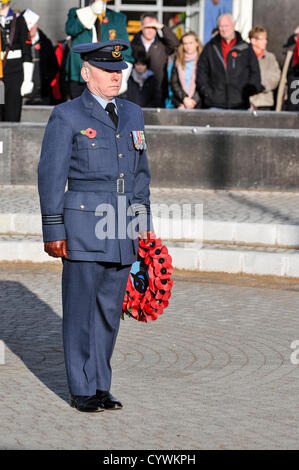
x,y
57,249
145,236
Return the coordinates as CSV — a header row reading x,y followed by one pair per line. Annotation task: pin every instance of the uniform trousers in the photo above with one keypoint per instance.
x,y
11,110
92,296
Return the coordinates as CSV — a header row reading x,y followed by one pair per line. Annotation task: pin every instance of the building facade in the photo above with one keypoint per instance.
x,y
280,17
182,15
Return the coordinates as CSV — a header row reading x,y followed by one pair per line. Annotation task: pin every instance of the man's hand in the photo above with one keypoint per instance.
x,y
57,249
153,24
145,237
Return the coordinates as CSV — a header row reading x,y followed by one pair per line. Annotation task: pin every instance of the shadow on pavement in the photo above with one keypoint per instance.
x,y
32,331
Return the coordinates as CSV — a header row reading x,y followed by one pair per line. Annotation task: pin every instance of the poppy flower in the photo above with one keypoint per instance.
x,y
163,270
91,133
159,252
163,284
234,54
163,295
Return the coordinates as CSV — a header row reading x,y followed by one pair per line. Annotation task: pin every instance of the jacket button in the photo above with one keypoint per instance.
x,y
120,155
82,206
93,144
118,136
121,175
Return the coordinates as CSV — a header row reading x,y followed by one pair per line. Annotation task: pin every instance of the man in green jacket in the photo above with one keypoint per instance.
x,y
94,23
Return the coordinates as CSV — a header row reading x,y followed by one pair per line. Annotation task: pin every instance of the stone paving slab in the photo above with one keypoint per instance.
x,y
214,372
238,206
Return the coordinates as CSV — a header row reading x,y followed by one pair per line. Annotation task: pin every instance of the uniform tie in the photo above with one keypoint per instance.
x,y
112,114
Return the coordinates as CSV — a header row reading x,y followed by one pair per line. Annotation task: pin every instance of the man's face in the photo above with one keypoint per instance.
x,y
148,31
101,3
33,30
226,28
4,5
101,82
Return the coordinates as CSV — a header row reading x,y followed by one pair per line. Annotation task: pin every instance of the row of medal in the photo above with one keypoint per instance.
x,y
139,140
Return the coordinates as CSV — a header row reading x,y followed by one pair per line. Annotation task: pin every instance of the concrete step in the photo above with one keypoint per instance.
x,y
204,231
240,232
197,118
230,259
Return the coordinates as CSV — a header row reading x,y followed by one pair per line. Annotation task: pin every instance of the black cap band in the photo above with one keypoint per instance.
x,y
102,56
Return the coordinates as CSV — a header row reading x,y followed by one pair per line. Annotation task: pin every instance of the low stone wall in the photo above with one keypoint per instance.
x,y
196,118
181,156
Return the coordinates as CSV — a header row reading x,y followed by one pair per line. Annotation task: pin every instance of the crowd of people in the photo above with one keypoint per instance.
x,y
163,70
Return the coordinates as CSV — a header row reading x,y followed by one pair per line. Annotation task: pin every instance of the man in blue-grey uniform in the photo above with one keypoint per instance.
x,y
96,144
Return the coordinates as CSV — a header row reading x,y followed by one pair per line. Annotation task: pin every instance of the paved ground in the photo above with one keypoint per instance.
x,y
237,206
214,372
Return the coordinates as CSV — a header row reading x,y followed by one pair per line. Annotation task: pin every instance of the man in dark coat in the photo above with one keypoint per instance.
x,y
228,72
96,143
158,42
17,66
45,62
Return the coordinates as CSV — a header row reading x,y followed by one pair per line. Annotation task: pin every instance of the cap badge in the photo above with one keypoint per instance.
x,y
117,52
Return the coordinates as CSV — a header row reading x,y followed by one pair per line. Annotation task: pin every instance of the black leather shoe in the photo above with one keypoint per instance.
x,y
86,403
108,402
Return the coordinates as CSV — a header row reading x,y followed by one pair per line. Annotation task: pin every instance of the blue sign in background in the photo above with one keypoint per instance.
x,y
212,13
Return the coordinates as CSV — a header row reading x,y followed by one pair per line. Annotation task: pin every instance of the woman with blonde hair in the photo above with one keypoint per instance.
x,y
185,95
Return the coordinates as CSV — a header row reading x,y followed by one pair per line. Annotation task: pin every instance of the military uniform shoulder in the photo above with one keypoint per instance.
x,y
72,12
133,107
67,106
116,14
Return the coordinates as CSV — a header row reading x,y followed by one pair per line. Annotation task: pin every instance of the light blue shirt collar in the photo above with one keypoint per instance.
x,y
103,102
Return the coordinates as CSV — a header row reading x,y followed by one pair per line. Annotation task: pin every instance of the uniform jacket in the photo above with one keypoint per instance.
x,y
270,74
158,55
93,167
21,41
115,25
228,86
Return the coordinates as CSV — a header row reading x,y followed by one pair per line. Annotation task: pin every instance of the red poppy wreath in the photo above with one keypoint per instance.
x,y
149,285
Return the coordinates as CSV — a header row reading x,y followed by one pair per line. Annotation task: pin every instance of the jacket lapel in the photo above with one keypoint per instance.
x,y
96,110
